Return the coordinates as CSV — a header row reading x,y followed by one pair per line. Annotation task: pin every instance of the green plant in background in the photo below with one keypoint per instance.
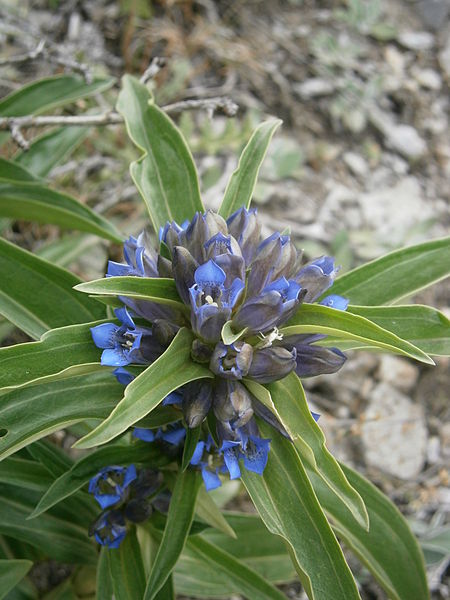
x,y
184,365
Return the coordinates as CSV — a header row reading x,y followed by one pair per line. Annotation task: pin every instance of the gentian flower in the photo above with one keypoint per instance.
x,y
225,273
110,484
109,529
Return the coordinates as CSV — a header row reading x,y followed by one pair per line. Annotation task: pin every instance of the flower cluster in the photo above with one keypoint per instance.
x,y
124,494
228,277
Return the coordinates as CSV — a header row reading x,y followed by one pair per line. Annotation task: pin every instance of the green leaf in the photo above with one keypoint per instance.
x,y
25,473
34,202
229,336
389,550
126,568
105,589
83,470
59,350
208,511
423,326
288,506
53,458
179,521
11,572
240,187
190,444
65,250
37,296
245,580
330,321
171,370
155,289
396,275
287,400
30,413
167,592
171,194
45,94
11,171
69,541
50,149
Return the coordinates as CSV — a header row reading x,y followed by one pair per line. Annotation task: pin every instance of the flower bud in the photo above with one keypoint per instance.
x,y
200,352
184,267
245,228
232,403
271,364
197,400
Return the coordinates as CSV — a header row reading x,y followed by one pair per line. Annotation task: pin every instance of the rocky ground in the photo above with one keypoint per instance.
x,y
360,168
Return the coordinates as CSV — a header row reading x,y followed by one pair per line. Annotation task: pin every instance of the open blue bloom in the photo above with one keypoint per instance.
x,y
316,277
211,302
122,344
199,458
256,454
274,305
110,484
110,529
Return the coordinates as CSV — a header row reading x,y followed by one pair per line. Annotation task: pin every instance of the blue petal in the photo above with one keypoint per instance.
x,y
114,357
130,475
326,263
173,398
231,459
211,479
140,260
315,416
235,291
209,273
335,301
198,453
116,269
280,285
293,290
174,436
255,458
104,335
123,376
123,315
146,435
106,500
117,541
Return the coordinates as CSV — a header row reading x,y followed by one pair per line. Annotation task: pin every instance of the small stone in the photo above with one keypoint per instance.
x,y
445,439
428,79
406,140
394,434
444,58
311,88
416,40
397,372
356,164
433,450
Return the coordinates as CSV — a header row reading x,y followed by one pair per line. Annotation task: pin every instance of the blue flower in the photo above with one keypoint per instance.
x,y
110,529
123,376
110,484
316,277
335,301
211,302
121,344
232,361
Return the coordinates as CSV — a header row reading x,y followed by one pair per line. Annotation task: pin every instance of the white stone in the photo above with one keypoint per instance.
x,y
314,87
356,163
416,40
398,372
394,434
433,450
444,58
429,79
406,140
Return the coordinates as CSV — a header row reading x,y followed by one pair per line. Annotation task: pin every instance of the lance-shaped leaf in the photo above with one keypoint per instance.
x,y
104,585
83,470
396,275
34,202
165,175
50,149
245,580
30,413
155,289
69,541
322,319
48,93
208,511
171,370
28,474
11,171
242,182
37,296
289,507
11,572
126,568
52,457
389,550
178,524
287,400
423,326
254,546
58,350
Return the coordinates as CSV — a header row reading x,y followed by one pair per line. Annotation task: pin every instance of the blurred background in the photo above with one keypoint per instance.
x,y
359,168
